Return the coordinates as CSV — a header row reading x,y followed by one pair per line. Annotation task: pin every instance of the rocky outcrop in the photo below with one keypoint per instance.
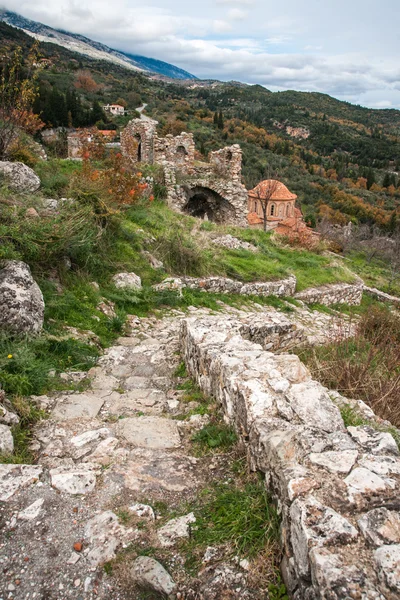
x,y
127,281
21,301
20,177
233,243
327,480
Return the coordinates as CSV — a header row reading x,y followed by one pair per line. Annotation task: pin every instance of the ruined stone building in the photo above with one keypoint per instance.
x,y
211,191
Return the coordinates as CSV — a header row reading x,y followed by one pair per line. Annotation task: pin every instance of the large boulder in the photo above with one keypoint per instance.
x,y
128,281
20,177
21,301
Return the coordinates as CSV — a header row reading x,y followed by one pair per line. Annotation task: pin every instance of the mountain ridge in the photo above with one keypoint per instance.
x,y
88,47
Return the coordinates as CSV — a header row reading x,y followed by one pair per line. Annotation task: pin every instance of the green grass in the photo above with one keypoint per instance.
x,y
352,418
215,435
374,273
243,517
182,255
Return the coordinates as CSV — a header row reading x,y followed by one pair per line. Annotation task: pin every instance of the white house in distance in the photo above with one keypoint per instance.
x,y
115,109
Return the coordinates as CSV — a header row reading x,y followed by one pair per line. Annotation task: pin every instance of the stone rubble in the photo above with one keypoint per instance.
x,y
233,243
337,293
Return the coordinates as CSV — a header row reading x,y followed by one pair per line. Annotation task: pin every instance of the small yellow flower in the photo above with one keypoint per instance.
x,y
10,356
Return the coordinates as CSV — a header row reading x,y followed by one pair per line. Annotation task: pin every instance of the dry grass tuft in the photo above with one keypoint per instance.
x,y
365,367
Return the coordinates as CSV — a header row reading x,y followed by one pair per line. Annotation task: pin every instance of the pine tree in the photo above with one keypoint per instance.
x,y
370,178
216,119
97,113
386,180
220,120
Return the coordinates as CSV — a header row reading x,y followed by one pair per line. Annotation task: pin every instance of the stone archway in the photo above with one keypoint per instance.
x,y
138,144
204,203
181,155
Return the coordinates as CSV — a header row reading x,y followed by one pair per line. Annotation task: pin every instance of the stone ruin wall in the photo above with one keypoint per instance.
x,y
339,293
227,162
382,296
222,175
178,150
224,285
336,487
139,131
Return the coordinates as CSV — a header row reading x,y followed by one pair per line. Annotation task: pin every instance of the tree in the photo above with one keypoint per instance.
x,y
97,113
220,120
18,90
370,178
264,195
122,102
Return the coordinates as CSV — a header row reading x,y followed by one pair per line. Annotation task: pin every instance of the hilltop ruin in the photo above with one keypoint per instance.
x,y
209,190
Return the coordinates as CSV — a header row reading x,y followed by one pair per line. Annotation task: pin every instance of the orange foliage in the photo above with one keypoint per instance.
x,y
85,81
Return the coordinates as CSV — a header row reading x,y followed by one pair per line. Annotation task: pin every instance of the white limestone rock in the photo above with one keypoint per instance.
x,y
313,524
32,511
376,442
76,481
144,511
20,177
104,535
380,526
21,301
335,579
148,573
150,432
362,481
335,462
175,529
89,436
16,477
127,281
6,440
312,404
387,559
7,417
75,406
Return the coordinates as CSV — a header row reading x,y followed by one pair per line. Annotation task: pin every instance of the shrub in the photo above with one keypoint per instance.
x,y
366,366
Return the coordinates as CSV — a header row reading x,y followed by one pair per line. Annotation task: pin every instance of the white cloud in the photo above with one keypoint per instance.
x,y
236,14
280,45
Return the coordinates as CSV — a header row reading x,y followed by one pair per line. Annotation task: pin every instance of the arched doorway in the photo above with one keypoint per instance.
x,y
206,204
138,143
181,154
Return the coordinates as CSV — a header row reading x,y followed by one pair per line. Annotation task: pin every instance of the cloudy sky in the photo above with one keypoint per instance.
x,y
346,48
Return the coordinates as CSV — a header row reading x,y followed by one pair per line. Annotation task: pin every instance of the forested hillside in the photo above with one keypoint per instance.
x,y
341,160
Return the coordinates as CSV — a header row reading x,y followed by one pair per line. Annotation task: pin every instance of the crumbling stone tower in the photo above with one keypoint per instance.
x,y
141,143
137,140
208,190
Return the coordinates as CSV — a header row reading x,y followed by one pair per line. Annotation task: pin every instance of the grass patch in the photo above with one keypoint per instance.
x,y
243,517
215,435
29,414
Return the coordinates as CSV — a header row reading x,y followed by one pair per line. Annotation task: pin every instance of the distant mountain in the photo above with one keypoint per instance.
x,y
83,45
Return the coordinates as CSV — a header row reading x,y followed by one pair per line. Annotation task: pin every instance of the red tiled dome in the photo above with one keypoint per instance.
x,y
280,191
